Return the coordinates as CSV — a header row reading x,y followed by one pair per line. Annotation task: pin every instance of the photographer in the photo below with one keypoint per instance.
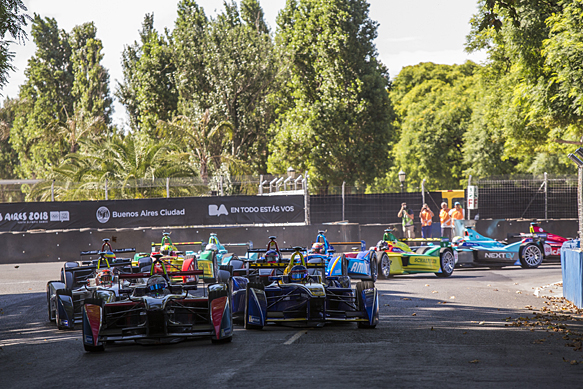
x,y
426,216
407,216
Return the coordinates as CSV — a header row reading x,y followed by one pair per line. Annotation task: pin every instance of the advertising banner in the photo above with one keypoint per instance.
x,y
182,211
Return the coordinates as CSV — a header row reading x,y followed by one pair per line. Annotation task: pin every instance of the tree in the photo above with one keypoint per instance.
x,y
227,67
64,82
12,21
334,109
531,45
8,157
121,160
149,90
433,105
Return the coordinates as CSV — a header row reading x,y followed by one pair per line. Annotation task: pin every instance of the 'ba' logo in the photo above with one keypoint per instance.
x,y
102,214
215,210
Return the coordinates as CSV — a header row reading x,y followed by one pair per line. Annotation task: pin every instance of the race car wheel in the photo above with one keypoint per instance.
x,y
89,348
384,266
363,285
530,256
446,262
374,267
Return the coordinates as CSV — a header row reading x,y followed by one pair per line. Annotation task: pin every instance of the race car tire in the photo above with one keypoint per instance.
x,y
246,324
446,262
344,263
214,294
530,256
374,267
88,348
363,285
384,271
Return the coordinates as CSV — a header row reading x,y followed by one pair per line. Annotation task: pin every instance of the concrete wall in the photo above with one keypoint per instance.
x,y
49,246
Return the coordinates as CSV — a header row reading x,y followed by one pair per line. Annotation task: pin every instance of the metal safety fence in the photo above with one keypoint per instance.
x,y
531,197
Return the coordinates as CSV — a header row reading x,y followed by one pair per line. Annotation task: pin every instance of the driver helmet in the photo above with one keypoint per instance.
x,y
382,245
318,248
211,247
271,256
457,240
166,249
105,278
156,284
298,273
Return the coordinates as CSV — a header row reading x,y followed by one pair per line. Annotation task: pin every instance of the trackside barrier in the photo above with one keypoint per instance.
x,y
572,268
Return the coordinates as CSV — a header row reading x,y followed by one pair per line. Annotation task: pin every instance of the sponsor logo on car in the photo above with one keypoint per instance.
x,y
254,319
359,267
216,210
499,255
88,339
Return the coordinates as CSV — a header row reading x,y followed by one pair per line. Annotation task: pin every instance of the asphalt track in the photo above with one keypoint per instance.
x,y
454,332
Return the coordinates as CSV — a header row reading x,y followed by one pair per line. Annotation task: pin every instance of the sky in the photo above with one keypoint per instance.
x,y
409,32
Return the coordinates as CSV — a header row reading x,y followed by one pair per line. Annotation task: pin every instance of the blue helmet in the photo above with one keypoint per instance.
x,y
298,273
157,284
271,256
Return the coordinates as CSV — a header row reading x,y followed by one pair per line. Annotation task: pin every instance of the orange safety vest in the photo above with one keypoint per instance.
x,y
457,215
425,218
445,218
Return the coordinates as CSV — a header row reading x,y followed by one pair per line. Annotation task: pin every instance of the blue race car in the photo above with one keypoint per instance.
x,y
476,250
299,298
358,264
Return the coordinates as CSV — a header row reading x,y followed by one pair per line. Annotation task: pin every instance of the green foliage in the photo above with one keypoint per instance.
x,y
334,113
122,159
149,90
12,21
8,157
433,104
64,82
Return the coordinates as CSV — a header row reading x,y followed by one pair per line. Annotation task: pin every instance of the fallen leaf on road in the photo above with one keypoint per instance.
x,y
432,329
435,291
539,341
16,267
465,332
488,285
482,323
474,361
518,292
405,298
452,297
442,302
426,284
495,290
413,314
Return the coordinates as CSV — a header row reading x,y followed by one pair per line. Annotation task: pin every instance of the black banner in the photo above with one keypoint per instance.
x,y
184,211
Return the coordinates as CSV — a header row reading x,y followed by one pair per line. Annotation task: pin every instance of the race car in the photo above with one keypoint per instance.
x,y
357,264
299,298
396,257
555,242
160,311
476,250
271,254
172,259
214,255
97,279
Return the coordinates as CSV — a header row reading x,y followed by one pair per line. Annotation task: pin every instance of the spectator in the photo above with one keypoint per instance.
x,y
407,216
425,216
446,221
456,214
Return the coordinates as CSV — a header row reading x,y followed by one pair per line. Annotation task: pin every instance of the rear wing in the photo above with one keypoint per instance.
x,y
115,251
179,244
173,274
361,243
284,250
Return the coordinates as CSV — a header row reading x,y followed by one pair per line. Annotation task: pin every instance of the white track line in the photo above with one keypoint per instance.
x,y
295,337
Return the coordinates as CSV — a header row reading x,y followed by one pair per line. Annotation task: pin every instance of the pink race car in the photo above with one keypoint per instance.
x,y
554,241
